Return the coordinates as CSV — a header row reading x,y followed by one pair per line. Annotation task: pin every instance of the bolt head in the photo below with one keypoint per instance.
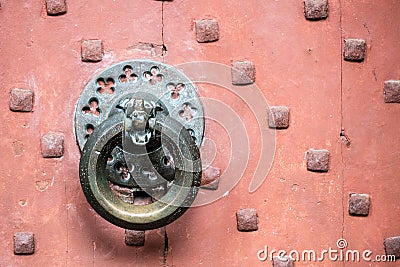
x,y
285,261
278,117
391,91
247,220
210,178
317,160
52,145
243,73
207,30
134,238
24,243
354,50
92,50
21,100
392,246
315,9
56,7
359,204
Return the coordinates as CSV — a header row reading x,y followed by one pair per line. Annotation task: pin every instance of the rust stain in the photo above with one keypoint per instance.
x,y
43,185
18,148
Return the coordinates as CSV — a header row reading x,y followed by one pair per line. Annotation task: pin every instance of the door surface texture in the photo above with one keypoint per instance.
x,y
300,154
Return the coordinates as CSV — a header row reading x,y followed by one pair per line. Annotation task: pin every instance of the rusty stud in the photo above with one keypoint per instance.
x,y
317,160
285,261
207,30
392,246
391,91
134,238
278,117
92,50
52,145
210,178
247,220
243,73
212,185
359,204
315,9
21,100
24,243
354,50
56,7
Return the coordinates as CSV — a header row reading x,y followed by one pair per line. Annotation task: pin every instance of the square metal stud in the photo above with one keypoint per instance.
x,y
214,185
207,30
134,238
354,50
56,7
52,145
243,73
24,243
317,160
359,204
92,50
392,246
210,178
247,220
278,117
21,100
391,91
285,261
315,9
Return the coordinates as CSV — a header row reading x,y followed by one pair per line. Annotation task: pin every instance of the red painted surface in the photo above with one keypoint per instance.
x,y
298,64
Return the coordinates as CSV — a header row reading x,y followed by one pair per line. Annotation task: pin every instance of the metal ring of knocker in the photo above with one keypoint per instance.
x,y
139,146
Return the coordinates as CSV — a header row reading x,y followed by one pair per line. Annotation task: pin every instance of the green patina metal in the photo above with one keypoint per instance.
x,y
140,147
